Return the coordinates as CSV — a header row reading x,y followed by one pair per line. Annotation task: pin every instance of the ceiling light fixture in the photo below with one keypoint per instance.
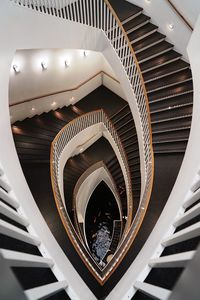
x,y
53,103
33,108
81,150
72,99
44,65
16,68
171,26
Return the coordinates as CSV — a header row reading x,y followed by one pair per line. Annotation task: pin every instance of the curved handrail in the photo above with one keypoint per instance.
x,y
105,18
180,15
57,147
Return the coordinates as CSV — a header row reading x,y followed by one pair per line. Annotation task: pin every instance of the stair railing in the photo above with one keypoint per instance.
x,y
80,181
66,134
100,14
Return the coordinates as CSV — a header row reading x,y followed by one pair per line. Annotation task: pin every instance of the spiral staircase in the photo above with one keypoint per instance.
x,y
168,82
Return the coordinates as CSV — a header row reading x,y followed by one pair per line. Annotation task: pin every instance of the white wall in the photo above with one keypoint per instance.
x,y
162,15
32,81
189,9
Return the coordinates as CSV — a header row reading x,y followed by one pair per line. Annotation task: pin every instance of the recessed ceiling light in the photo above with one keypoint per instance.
x,y
171,26
16,68
72,99
53,103
44,65
33,108
148,1
81,150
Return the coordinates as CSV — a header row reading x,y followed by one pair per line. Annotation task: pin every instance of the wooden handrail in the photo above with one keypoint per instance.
x,y
67,90
180,15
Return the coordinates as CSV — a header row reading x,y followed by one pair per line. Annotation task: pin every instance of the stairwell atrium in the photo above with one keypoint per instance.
x,y
99,160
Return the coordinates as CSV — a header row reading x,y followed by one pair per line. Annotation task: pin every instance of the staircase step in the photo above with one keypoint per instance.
x,y
172,113
170,92
142,32
142,45
171,80
166,70
182,99
125,10
159,61
171,124
136,23
154,51
124,110
171,135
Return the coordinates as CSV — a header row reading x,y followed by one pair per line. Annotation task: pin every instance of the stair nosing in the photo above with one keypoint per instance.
x,y
143,36
167,74
156,54
169,85
161,65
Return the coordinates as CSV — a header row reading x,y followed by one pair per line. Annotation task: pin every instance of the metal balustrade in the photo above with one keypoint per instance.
x,y
59,144
100,14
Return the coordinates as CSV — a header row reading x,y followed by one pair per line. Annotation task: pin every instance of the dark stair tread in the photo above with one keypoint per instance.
x,y
134,23
182,99
154,50
171,91
29,139
142,32
125,109
154,38
123,116
159,61
172,113
124,9
170,147
169,80
28,145
53,117
172,124
67,113
172,130
167,151
165,70
24,132
170,136
39,125
171,141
